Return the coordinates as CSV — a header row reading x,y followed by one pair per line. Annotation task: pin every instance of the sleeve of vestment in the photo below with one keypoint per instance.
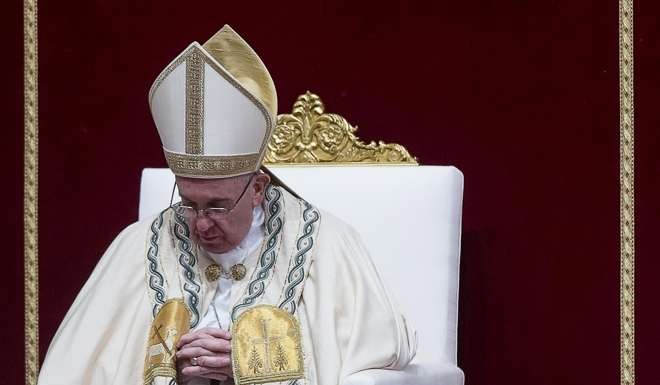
x,y
354,321
102,338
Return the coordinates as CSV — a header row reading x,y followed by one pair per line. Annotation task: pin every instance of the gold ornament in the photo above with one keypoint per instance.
x,y
309,135
238,271
213,272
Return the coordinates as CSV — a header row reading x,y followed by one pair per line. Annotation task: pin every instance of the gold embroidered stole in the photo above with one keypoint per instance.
x,y
266,332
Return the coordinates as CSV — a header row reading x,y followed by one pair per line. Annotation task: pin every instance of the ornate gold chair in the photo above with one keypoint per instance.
x,y
408,215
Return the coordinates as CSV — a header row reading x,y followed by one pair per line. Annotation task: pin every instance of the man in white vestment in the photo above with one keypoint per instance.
x,y
239,282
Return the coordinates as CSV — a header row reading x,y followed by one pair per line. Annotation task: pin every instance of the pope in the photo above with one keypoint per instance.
x,y
241,280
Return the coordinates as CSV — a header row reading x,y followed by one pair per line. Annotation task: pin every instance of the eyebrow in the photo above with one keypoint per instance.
x,y
211,203
218,202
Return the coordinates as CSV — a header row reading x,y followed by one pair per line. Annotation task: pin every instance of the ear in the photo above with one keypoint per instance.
x,y
261,180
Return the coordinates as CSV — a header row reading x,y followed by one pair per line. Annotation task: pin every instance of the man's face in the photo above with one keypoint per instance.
x,y
219,235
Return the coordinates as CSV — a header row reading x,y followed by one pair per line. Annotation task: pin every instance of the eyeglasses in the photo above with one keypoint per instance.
x,y
210,212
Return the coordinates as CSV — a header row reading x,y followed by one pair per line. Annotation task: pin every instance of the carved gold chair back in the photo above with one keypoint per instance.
x,y
309,135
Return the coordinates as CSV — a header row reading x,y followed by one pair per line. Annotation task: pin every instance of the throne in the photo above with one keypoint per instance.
x,y
408,215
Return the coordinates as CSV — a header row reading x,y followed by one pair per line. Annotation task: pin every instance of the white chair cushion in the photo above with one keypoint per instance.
x,y
410,220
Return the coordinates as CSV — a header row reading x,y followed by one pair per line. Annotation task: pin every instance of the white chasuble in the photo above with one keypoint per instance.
x,y
150,288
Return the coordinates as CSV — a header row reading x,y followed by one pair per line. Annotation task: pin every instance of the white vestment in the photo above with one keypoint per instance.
x,y
310,264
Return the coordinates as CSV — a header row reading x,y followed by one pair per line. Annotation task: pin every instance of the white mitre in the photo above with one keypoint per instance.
x,y
215,107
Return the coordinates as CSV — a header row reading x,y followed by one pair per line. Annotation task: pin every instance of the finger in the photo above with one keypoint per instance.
x,y
200,371
207,374
216,332
200,337
214,362
205,371
214,345
189,337
203,333
189,352
208,332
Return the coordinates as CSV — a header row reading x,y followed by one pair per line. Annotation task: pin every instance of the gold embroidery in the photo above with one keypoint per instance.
x,y
195,102
171,322
239,59
228,77
257,102
266,346
211,166
310,135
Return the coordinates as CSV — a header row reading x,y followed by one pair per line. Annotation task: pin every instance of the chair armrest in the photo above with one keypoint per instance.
x,y
413,374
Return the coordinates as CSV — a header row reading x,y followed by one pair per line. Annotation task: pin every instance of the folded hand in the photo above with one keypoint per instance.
x,y
205,353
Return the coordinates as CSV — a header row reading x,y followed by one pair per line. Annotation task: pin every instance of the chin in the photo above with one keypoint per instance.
x,y
215,247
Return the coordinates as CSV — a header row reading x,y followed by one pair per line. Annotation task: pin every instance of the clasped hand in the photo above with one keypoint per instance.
x,y
210,348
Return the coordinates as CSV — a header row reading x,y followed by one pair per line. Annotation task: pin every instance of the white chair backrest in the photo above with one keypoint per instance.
x,y
408,216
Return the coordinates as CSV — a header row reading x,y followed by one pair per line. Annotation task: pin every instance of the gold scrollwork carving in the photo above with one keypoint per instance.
x,y
310,135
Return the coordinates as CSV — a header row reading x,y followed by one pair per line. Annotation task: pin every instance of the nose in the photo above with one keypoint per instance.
x,y
203,223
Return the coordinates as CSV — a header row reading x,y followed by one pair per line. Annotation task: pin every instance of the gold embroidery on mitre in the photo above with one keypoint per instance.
x,y
237,57
266,346
230,57
211,166
194,137
171,322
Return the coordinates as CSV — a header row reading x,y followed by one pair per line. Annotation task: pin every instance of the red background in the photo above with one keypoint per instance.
x,y
522,97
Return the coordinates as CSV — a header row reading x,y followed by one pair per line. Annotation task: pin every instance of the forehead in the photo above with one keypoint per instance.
x,y
207,189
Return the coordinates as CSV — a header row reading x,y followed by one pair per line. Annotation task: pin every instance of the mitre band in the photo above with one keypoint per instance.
x,y
211,166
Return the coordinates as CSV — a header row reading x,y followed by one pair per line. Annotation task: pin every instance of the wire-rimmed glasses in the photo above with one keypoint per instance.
x,y
190,212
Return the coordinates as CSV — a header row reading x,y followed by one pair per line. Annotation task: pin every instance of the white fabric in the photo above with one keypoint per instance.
x,y
168,108
348,321
233,123
410,220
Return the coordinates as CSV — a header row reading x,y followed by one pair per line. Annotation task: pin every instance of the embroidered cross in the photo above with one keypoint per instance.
x,y
161,339
266,340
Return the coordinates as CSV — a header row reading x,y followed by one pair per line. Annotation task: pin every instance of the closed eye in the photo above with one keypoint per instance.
x,y
222,203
